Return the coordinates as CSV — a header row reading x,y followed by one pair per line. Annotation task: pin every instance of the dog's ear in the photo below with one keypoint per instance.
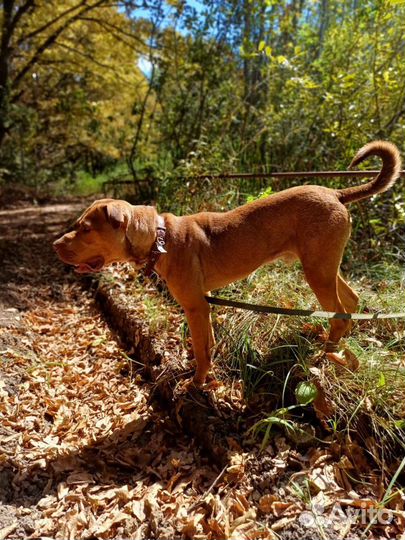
x,y
116,215
141,230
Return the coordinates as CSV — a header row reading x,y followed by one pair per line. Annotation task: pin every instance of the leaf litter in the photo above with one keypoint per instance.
x,y
85,453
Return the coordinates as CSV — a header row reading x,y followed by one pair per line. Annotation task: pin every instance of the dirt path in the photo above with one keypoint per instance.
x,y
82,453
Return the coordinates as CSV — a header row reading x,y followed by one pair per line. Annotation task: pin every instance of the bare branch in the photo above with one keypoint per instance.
x,y
20,12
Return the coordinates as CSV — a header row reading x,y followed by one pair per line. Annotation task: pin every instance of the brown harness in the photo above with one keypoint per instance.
x,y
158,247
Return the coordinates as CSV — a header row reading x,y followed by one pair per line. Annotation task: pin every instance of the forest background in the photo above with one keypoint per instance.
x,y
165,89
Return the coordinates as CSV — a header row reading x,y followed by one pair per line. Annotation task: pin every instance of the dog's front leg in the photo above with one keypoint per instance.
x,y
198,318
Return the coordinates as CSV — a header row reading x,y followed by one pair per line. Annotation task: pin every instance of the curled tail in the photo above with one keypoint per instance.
x,y
388,175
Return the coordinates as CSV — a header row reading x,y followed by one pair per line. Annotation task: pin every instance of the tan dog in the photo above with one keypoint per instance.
x,y
208,250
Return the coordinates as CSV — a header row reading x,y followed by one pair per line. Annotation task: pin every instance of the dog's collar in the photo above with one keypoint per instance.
x,y
158,246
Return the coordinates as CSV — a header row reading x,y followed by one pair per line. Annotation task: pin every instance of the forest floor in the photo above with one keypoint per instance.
x,y
86,452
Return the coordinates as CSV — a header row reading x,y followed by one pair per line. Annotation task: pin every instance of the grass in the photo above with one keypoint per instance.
x,y
85,184
157,320
272,354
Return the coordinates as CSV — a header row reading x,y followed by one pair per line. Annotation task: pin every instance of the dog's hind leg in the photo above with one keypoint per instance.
x,y
324,282
348,297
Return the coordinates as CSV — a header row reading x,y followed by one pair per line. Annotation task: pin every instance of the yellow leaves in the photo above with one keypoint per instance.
x,y
266,49
89,76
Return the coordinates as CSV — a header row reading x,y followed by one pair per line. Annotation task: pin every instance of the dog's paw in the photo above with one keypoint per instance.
x,y
211,384
198,382
331,347
352,361
209,381
344,358
185,387
192,384
336,358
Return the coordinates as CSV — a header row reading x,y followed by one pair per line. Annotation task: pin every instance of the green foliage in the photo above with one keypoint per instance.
x,y
85,183
306,392
71,81
277,418
262,195
282,418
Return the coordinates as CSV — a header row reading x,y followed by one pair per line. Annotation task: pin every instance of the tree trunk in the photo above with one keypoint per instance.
x,y
4,66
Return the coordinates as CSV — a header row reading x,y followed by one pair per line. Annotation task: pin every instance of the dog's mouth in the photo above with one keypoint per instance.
x,y
91,266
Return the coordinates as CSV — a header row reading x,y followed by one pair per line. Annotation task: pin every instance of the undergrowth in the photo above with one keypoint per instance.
x,y
272,354
84,183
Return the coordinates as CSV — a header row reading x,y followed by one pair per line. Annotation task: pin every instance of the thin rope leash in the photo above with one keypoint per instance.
x,y
218,301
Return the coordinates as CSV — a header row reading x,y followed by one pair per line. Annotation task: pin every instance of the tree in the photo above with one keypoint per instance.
x,y
71,78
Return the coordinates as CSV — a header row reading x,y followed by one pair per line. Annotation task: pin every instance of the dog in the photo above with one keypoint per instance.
x,y
198,253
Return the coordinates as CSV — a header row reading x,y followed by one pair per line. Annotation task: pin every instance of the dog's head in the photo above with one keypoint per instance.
x,y
108,231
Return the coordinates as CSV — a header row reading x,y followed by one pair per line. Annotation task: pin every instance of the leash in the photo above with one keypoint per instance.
x,y
218,301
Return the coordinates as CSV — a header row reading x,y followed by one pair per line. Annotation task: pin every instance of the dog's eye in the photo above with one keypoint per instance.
x,y
85,228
